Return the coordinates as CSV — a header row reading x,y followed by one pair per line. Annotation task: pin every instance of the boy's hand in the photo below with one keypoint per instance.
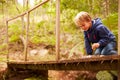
x,y
95,45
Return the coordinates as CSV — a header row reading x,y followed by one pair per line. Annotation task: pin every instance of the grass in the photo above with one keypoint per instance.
x,y
3,58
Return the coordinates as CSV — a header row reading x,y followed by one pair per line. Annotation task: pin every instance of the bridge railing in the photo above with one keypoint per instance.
x,y
27,14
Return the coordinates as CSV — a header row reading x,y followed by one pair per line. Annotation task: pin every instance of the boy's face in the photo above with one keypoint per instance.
x,y
85,25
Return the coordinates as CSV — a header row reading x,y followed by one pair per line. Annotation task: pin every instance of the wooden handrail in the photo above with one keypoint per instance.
x,y
27,27
57,26
28,11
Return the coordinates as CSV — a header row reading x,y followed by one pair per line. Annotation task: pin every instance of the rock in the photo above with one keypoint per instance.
x,y
75,55
33,52
43,52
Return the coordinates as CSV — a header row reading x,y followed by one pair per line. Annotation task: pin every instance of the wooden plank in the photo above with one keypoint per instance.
x,y
82,59
94,65
86,63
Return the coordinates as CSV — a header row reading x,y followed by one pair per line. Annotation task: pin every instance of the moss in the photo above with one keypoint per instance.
x,y
104,75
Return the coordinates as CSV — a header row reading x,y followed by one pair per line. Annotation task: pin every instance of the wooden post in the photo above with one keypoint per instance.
x,y
7,44
119,39
27,30
23,24
118,69
119,27
43,73
57,29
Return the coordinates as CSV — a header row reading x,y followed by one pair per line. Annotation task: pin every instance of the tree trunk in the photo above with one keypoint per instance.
x,y
3,14
91,5
107,6
104,8
16,3
27,4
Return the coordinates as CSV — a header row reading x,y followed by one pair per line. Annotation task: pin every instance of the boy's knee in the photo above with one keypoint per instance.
x,y
111,52
96,53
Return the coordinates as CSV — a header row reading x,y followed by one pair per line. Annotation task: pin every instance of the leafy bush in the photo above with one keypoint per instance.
x,y
67,23
45,40
112,22
104,75
43,33
14,31
3,48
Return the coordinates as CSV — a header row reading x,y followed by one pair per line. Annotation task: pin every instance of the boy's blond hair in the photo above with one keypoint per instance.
x,y
82,17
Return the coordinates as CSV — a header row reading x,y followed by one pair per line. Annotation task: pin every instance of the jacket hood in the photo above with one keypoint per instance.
x,y
96,22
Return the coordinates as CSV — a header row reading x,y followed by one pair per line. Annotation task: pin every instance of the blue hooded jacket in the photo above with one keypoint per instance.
x,y
98,33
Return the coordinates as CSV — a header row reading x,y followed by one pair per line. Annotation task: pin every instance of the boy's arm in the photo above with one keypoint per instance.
x,y
87,45
103,34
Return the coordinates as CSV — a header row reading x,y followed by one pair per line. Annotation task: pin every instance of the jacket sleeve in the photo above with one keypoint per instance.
x,y
87,45
103,33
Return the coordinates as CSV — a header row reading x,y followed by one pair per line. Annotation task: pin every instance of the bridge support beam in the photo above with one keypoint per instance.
x,y
25,73
44,74
118,69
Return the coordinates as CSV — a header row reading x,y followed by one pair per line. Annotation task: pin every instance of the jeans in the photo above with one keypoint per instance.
x,y
109,49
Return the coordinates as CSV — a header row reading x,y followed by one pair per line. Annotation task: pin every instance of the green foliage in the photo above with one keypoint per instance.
x,y
67,22
2,1
14,31
14,38
2,59
104,75
2,46
79,4
12,10
33,78
113,6
46,40
43,33
68,14
115,73
1,16
112,22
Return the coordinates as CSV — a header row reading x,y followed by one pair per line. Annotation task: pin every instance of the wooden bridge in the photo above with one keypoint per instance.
x,y
111,62
89,63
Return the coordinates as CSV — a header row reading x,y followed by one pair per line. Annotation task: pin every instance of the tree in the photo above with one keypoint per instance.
x,y
2,2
